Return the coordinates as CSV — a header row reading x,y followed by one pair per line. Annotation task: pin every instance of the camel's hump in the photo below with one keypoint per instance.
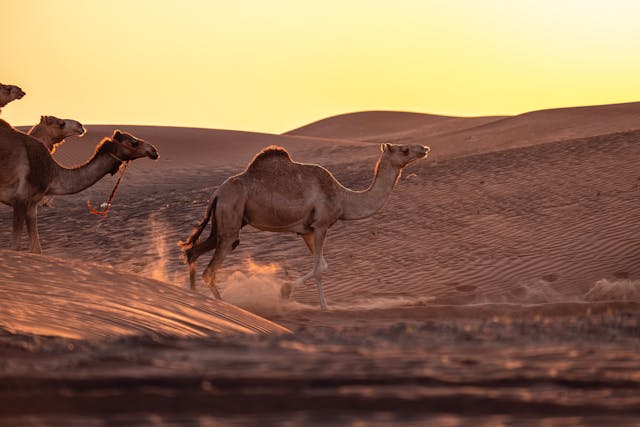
x,y
270,152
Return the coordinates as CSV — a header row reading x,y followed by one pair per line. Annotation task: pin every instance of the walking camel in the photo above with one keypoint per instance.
x,y
9,93
277,194
52,131
28,173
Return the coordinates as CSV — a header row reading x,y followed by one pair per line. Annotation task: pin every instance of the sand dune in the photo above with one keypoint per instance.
x,y
53,297
387,126
455,136
184,148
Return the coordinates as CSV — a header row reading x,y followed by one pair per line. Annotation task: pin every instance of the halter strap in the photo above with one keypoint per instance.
x,y
113,192
134,150
117,158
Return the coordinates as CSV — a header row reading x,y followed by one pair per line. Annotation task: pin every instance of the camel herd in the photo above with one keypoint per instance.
x,y
273,193
28,172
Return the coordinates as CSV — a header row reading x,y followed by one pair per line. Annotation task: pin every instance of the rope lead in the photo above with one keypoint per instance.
x,y
107,205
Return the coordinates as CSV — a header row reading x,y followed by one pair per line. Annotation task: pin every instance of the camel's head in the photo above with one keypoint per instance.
x,y
402,155
59,129
8,93
128,147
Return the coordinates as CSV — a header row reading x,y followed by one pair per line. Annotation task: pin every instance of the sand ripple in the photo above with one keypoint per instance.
x,y
46,296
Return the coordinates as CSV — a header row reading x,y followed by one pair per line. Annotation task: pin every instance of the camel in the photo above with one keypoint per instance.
x,y
28,173
52,131
277,194
9,93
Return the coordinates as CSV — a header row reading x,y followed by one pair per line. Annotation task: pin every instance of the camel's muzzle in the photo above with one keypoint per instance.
x,y
424,152
152,152
79,129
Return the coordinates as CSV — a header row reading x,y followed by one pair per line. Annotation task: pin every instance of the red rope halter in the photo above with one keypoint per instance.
x,y
113,193
107,205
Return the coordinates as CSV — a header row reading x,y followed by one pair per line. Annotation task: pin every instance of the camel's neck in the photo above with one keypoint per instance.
x,y
5,100
362,204
74,180
39,132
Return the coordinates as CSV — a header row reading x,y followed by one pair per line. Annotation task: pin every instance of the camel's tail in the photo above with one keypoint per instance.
x,y
193,238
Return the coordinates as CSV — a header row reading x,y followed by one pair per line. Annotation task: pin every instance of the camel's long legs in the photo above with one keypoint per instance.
x,y
19,215
287,289
204,247
309,240
192,275
224,246
32,229
318,248
194,253
227,226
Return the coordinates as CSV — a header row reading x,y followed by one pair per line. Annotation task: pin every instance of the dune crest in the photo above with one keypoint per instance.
x,y
49,296
375,126
452,137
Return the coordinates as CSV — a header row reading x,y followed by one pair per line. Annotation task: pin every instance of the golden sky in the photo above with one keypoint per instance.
x,y
273,65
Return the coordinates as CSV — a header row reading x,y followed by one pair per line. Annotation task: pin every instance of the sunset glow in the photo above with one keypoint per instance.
x,y
273,66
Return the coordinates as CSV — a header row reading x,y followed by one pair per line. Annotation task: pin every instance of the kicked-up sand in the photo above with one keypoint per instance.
x,y
499,285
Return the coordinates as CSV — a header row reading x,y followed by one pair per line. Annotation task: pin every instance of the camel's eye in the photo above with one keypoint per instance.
x,y
62,124
134,143
405,151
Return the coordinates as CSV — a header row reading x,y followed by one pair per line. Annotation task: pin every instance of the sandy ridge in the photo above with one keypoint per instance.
x,y
49,296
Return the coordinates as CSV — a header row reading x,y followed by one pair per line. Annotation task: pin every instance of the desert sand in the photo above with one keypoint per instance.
x,y
499,285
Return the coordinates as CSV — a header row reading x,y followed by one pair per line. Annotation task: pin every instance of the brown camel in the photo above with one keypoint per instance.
x,y
28,173
9,93
277,194
52,131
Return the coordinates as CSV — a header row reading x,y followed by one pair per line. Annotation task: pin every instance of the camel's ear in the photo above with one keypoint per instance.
x,y
117,135
41,119
48,120
386,146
